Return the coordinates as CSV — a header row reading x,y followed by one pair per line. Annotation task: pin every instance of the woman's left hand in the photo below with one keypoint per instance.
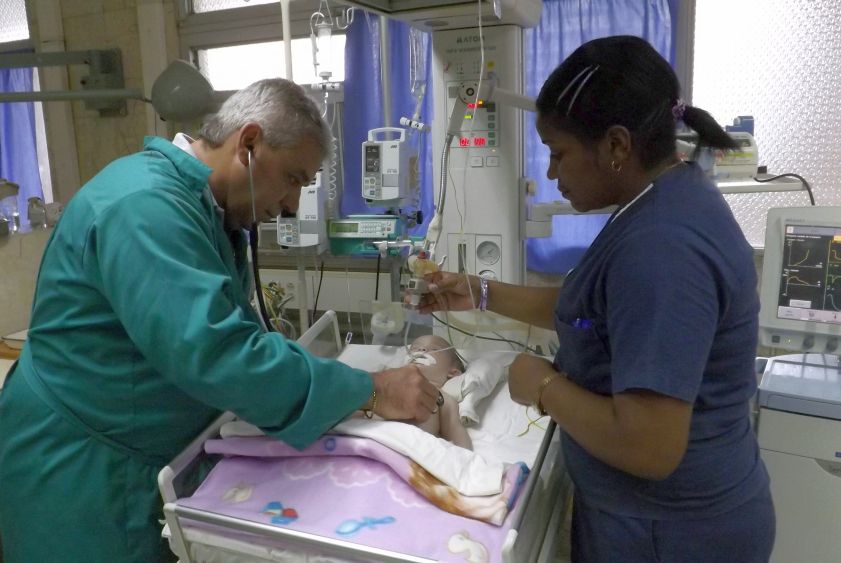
x,y
525,375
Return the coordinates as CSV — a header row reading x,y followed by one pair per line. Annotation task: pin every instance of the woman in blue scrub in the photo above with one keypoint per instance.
x,y
657,324
142,333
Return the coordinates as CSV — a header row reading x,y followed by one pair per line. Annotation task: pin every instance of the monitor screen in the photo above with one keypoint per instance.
x,y
344,227
810,280
800,290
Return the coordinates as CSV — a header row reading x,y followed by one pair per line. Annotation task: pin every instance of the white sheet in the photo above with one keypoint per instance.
x,y
469,473
501,420
506,432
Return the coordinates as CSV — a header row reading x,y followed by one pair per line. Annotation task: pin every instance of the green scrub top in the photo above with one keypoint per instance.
x,y
141,335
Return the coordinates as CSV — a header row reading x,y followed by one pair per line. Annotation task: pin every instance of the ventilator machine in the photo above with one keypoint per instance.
x,y
799,397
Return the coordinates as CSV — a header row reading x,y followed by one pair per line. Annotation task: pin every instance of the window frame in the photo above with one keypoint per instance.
x,y
10,47
239,26
685,48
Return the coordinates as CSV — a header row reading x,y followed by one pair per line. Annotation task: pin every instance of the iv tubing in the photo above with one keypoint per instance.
x,y
442,190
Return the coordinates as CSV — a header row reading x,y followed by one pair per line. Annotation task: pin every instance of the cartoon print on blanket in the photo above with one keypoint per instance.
x,y
340,490
473,551
306,463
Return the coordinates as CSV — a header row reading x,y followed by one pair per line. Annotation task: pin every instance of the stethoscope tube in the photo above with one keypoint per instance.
x,y
258,286
253,242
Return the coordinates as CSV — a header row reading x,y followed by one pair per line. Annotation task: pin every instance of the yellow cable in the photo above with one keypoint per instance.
x,y
532,422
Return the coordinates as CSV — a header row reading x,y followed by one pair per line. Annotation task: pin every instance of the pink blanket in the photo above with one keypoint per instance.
x,y
358,490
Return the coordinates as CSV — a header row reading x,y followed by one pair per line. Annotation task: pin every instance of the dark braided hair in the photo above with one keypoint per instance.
x,y
622,80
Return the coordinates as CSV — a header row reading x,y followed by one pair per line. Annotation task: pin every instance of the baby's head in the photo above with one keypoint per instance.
x,y
436,358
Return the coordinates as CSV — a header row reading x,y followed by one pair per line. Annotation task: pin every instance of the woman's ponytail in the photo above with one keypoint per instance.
x,y
710,133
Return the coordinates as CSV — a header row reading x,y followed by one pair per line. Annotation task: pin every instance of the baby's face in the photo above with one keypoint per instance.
x,y
436,349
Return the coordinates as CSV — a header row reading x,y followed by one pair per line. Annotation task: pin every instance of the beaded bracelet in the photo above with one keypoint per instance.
x,y
483,294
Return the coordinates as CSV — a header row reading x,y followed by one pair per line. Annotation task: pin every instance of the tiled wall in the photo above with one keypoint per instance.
x,y
20,256
779,61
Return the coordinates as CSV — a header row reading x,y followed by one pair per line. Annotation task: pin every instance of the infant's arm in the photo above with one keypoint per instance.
x,y
451,427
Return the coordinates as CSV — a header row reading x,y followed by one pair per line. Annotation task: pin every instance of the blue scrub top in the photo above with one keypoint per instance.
x,y
665,300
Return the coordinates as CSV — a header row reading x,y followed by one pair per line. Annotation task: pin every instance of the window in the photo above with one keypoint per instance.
x,y
237,66
235,43
13,25
23,150
200,6
775,63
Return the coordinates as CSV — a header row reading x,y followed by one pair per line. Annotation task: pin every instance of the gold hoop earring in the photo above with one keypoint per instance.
x,y
616,167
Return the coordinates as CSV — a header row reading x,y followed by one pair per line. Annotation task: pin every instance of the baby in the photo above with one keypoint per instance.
x,y
438,362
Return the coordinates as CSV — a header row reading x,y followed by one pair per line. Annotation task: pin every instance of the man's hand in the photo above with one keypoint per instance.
x,y
404,394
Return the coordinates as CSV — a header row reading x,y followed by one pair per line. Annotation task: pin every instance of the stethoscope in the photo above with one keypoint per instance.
x,y
253,242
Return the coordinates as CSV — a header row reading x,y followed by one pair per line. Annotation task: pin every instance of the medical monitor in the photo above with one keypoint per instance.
x,y
800,291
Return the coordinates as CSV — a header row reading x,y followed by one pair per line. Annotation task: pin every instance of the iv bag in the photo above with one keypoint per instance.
x,y
324,33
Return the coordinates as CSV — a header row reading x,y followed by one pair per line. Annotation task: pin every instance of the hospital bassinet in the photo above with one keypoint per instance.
x,y
531,531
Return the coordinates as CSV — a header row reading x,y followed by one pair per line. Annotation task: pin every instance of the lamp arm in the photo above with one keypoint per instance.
x,y
71,95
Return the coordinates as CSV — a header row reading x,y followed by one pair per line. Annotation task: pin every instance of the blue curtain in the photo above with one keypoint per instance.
x,y
565,25
18,156
364,102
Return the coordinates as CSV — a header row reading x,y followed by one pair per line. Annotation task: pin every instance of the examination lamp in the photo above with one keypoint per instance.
x,y
180,93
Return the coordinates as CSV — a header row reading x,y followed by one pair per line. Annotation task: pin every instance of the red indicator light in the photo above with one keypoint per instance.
x,y
471,105
479,141
464,142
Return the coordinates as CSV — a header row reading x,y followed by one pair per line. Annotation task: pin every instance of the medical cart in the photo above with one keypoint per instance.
x,y
800,442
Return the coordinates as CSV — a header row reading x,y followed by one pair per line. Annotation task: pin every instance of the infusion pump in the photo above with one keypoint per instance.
x,y
308,228
386,171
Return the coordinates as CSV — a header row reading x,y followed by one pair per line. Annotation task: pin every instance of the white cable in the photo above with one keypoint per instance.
x,y
332,171
528,337
293,334
475,109
406,334
464,218
313,286
347,280
337,163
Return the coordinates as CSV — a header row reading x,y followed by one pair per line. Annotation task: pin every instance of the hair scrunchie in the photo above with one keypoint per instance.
x,y
678,109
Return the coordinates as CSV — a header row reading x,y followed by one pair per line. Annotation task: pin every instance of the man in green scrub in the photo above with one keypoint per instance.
x,y
142,333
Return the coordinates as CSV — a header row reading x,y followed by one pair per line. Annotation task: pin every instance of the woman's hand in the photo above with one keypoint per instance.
x,y
449,292
525,375
403,394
